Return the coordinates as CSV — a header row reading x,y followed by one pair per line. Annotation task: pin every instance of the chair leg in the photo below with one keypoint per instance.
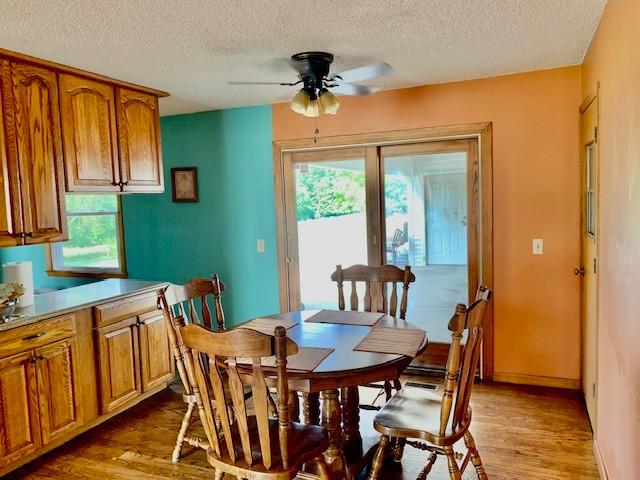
x,y
427,468
219,474
454,470
397,385
378,459
398,448
182,433
475,456
387,390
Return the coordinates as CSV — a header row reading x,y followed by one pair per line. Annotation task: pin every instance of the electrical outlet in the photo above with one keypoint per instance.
x,y
538,246
260,245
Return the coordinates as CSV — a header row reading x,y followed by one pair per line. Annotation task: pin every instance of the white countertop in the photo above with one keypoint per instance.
x,y
75,298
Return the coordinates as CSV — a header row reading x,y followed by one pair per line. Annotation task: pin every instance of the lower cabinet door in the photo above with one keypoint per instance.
x,y
155,351
19,426
57,396
119,364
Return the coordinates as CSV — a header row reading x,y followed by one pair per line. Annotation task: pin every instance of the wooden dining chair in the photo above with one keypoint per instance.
x,y
415,413
190,304
249,447
376,282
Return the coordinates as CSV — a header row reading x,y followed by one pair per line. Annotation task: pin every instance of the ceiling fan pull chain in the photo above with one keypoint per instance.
x,y
316,131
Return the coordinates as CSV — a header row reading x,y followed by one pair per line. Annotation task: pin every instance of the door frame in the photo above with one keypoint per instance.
x,y
481,132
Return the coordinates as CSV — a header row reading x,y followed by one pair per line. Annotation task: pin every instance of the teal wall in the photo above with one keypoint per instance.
x,y
36,255
177,241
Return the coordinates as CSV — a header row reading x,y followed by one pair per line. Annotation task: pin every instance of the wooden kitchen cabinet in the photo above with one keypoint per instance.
x,y
135,357
9,223
63,375
119,359
39,151
89,131
139,141
57,395
66,130
156,359
19,422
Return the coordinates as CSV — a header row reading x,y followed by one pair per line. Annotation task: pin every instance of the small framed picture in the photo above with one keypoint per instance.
x,y
184,184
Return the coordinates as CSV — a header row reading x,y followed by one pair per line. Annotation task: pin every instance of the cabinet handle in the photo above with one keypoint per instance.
x,y
34,336
124,184
30,234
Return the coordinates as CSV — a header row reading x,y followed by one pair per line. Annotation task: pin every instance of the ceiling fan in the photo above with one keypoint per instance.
x,y
319,86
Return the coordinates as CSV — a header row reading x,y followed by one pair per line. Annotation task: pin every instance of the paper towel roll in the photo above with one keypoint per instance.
x,y
22,273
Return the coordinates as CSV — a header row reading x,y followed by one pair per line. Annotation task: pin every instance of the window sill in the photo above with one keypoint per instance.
x,y
80,273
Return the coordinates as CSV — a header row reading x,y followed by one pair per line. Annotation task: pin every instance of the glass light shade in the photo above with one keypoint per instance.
x,y
313,109
300,102
329,102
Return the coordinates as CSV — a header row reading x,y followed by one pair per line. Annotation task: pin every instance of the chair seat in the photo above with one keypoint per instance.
x,y
306,442
415,412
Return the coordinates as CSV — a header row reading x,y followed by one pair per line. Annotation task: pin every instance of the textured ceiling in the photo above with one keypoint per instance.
x,y
191,48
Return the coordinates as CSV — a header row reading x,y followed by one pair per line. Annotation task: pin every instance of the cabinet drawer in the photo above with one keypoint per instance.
x,y
36,335
112,312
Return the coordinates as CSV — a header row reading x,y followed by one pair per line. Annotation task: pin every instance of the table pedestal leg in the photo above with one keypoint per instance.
x,y
311,408
294,406
351,418
331,417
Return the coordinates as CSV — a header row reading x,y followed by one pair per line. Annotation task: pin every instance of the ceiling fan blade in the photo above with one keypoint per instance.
x,y
362,73
263,83
350,89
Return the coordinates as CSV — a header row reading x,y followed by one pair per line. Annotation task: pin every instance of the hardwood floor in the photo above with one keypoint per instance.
x,y
522,433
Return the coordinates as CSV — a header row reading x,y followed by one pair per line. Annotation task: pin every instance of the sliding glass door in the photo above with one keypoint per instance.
x,y
412,204
327,221
426,225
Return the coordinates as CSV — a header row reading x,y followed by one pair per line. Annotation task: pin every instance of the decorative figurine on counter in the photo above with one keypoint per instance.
x,y
9,295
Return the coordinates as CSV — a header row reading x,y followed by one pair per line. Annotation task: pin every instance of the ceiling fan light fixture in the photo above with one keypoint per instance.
x,y
329,102
313,109
300,102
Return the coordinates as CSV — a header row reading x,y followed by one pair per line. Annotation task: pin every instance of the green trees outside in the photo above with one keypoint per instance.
x,y
329,192
93,236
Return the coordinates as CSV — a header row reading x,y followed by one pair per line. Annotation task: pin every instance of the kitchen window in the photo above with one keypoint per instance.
x,y
96,245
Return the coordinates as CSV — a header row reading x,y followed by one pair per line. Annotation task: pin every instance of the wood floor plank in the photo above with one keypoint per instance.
x,y
522,432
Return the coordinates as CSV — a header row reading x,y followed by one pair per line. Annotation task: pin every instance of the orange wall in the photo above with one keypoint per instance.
x,y
614,60
536,195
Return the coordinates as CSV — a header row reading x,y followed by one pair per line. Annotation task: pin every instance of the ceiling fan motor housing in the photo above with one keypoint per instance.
x,y
313,68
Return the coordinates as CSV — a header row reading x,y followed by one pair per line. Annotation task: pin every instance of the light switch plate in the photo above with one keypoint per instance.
x,y
538,246
260,245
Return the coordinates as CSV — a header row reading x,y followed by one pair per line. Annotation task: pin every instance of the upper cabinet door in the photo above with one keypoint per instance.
x,y
88,113
139,140
10,215
39,145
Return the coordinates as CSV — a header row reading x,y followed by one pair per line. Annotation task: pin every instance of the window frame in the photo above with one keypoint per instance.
x,y
590,207
120,272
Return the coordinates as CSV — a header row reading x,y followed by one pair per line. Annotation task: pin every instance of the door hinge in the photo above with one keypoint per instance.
x,y
595,265
593,390
595,134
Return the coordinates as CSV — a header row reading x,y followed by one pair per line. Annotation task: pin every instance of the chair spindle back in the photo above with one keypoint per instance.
x,y
462,362
201,345
180,308
376,280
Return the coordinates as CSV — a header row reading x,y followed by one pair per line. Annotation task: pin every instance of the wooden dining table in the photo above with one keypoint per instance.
x,y
335,381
